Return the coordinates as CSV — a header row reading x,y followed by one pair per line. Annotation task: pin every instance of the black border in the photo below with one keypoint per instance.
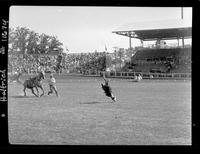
x,y
4,14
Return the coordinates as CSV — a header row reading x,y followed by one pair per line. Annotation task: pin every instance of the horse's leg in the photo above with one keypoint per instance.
x,y
37,90
42,90
24,91
34,92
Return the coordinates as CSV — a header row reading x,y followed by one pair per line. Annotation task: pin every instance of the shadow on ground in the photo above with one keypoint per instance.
x,y
93,102
133,81
30,96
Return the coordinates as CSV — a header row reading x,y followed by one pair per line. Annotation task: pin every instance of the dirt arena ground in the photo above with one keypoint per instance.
x,y
150,112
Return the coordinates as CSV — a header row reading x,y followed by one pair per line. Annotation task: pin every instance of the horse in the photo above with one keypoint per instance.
x,y
34,82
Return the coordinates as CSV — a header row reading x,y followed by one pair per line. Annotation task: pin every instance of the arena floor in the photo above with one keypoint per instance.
x,y
150,112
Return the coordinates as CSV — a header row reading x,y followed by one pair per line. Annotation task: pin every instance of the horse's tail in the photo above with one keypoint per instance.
x,y
19,80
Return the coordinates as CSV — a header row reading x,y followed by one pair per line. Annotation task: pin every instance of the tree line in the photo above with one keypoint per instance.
x,y
25,41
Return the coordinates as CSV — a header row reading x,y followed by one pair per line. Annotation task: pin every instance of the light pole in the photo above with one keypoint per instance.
x,y
181,12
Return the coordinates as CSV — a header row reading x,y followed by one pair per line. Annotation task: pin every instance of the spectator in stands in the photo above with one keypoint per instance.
x,y
169,66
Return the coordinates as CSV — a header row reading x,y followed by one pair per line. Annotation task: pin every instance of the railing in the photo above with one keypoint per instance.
x,y
129,75
150,75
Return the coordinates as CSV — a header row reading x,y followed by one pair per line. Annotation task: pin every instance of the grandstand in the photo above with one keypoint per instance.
x,y
160,57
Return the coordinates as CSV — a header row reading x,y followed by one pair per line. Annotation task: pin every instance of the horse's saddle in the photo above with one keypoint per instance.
x,y
34,81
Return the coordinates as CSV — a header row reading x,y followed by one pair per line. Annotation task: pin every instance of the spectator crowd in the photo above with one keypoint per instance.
x,y
95,62
62,63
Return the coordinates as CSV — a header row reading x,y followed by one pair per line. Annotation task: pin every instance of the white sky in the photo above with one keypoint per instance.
x,y
86,29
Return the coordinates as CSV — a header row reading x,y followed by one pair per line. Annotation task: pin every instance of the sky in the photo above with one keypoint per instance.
x,y
86,29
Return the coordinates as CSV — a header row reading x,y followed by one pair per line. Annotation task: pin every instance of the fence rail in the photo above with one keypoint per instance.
x,y
151,75
145,75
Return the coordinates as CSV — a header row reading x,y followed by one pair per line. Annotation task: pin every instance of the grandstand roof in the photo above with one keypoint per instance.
x,y
151,30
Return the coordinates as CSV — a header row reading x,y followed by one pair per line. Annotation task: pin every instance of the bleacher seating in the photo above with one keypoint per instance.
x,y
179,60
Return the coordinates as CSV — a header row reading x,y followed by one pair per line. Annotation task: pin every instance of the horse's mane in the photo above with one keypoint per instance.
x,y
37,77
40,75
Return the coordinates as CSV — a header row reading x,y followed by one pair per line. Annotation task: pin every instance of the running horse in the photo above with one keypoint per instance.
x,y
35,82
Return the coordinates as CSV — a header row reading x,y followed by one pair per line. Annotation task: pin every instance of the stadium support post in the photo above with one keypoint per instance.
x,y
178,41
142,43
181,12
130,42
182,41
